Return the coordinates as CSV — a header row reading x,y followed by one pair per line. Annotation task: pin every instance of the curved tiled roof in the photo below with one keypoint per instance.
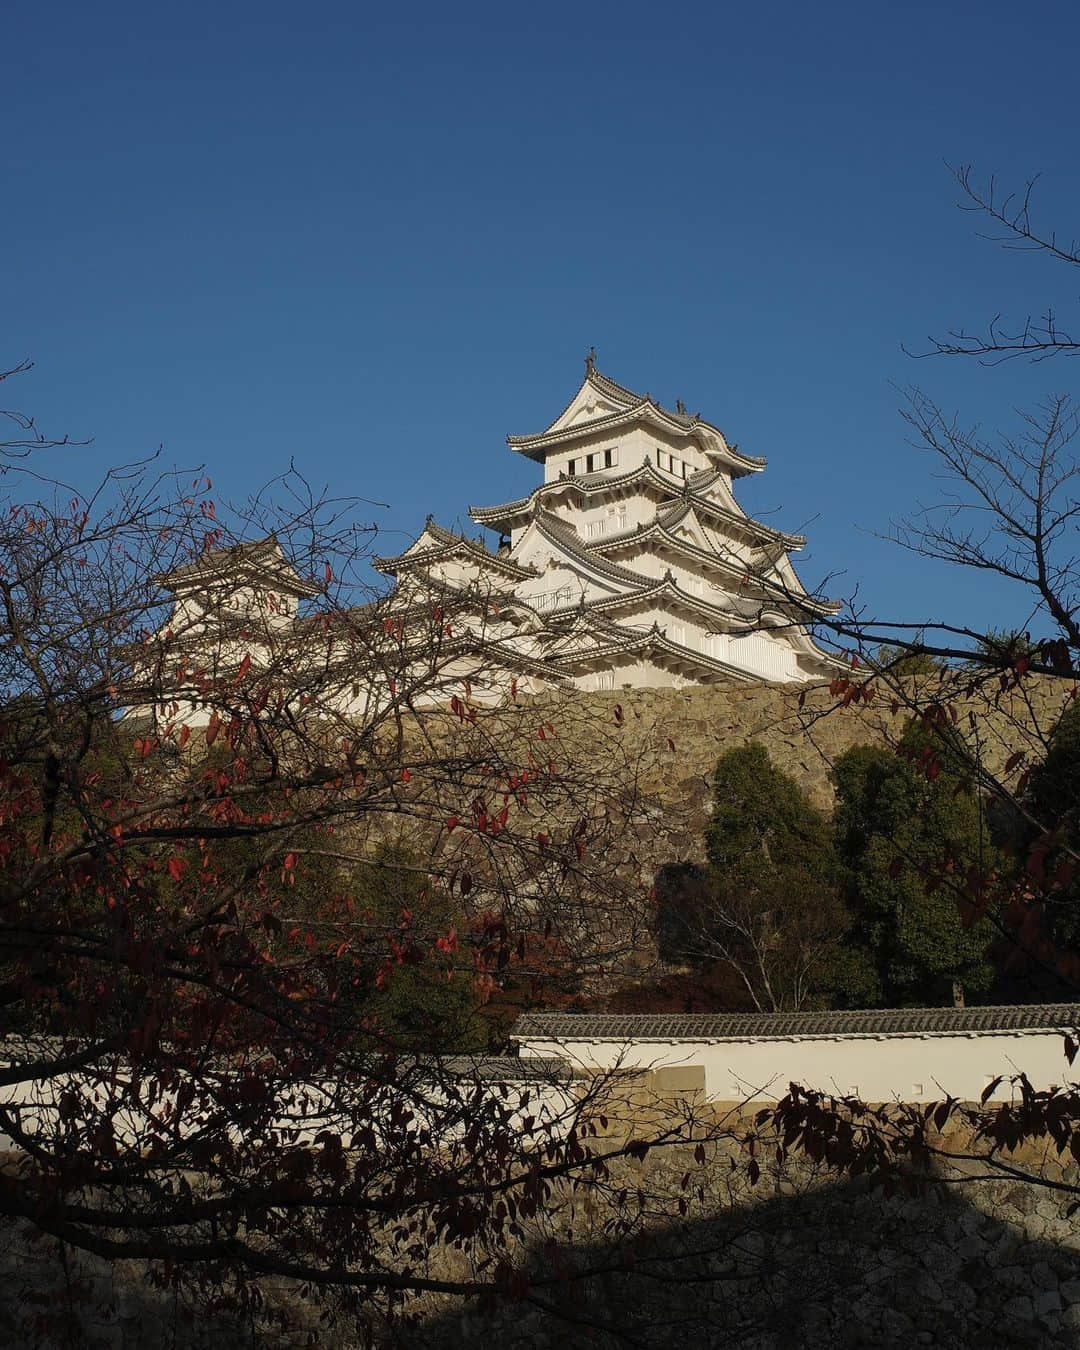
x,y
671,515
681,493
447,542
658,531
666,585
585,484
603,384
262,559
566,537
627,639
534,445
740,1026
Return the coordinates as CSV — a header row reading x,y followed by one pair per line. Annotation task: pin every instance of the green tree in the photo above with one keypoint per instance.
x,y
766,907
1052,837
915,852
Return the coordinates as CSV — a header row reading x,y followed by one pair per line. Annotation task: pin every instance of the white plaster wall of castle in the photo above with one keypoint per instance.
x,y
626,448
883,1068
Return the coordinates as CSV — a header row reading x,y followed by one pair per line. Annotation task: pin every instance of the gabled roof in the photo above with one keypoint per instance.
x,y
692,490
435,543
741,1026
566,538
261,562
704,505
658,533
618,639
632,407
585,485
668,588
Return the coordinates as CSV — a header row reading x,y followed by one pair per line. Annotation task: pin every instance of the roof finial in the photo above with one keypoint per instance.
x,y
680,407
590,361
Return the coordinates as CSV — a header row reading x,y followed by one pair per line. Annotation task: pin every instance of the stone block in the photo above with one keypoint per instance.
x,y
1042,1276
1019,1307
1049,1301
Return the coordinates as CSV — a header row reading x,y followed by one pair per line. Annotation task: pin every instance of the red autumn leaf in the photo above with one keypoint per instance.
x,y
328,573
451,824
290,862
212,729
245,666
177,868
185,735
405,775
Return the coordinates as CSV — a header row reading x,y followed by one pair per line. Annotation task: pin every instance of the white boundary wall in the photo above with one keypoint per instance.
x,y
877,1068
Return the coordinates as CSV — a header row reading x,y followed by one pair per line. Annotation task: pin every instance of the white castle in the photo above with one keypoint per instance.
x,y
631,564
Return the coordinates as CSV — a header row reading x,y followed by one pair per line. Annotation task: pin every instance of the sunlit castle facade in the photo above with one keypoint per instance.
x,y
631,564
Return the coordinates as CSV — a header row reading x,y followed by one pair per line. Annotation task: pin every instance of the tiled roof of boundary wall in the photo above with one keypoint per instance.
x,y
739,1026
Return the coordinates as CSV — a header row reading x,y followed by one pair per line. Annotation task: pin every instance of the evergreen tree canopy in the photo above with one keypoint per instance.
x,y
910,836
1053,800
767,906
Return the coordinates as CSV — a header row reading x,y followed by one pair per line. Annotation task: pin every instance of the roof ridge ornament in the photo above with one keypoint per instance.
x,y
590,361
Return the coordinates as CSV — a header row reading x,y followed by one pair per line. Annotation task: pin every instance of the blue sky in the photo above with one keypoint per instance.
x,y
377,239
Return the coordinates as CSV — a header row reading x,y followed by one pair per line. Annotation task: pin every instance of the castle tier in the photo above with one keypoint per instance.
x,y
632,564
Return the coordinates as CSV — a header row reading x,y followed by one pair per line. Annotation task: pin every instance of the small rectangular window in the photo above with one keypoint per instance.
x,y
571,468
596,529
685,468
611,457
590,463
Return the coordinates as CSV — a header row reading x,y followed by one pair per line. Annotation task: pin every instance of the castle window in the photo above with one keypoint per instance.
x,y
596,528
590,463
571,468
685,468
605,679
611,457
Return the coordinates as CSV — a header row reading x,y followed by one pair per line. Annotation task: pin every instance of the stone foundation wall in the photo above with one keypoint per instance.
x,y
802,1259
676,736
